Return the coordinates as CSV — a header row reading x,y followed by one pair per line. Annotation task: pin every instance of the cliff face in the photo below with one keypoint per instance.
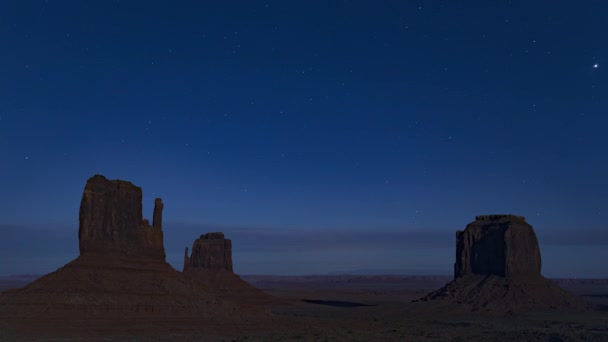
x,y
211,265
497,269
210,252
111,221
120,278
502,245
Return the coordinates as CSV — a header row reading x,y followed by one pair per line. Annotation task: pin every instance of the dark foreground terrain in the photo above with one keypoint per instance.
x,y
362,308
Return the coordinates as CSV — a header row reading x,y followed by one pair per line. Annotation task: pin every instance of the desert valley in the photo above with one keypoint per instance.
x,y
120,288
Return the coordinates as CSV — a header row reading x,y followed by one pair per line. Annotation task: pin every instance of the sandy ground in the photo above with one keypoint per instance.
x,y
364,308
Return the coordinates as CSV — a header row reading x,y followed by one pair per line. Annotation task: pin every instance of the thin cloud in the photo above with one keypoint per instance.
x,y
41,249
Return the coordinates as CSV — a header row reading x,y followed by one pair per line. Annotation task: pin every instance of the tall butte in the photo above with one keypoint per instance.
x,y
111,221
120,275
498,268
211,264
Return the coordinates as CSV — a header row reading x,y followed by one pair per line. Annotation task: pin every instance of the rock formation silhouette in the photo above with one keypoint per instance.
x,y
211,252
502,245
121,273
111,221
498,268
211,264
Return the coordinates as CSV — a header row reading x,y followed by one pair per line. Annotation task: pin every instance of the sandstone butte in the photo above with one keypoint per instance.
x,y
120,281
498,268
211,264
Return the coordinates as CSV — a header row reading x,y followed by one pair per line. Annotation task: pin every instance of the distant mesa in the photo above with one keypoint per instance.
x,y
211,264
120,273
498,268
501,245
210,252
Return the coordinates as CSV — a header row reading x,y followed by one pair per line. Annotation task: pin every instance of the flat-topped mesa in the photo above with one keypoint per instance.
x,y
498,217
213,236
111,221
502,245
210,252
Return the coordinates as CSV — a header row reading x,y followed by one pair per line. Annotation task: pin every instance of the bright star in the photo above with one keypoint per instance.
x,y
595,66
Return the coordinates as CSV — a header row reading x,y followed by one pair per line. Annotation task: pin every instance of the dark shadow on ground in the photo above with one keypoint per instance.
x,y
337,303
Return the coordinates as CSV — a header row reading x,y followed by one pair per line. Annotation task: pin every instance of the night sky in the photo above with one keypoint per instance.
x,y
321,136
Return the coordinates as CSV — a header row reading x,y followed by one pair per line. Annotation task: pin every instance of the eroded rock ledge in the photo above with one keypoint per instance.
x,y
212,251
111,221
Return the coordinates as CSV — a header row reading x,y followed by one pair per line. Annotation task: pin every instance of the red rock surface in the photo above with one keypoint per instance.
x,y
498,268
120,276
502,245
211,265
111,221
210,252
499,294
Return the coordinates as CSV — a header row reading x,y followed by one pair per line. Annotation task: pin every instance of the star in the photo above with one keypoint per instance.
x,y
595,66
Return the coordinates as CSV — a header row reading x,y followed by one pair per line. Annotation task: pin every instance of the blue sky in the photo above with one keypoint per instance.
x,y
316,117
39,249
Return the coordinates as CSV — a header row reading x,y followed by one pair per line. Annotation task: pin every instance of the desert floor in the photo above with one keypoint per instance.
x,y
361,308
